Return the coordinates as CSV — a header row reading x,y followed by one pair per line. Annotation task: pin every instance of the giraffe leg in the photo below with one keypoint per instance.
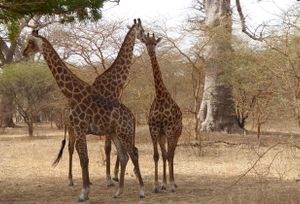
x,y
156,158
133,153
162,141
107,148
122,154
81,148
71,151
116,171
171,152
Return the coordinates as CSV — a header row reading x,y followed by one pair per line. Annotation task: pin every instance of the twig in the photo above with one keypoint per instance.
x,y
252,167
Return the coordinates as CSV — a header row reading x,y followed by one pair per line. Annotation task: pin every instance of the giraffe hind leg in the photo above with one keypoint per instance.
x,y
133,153
71,147
122,154
172,142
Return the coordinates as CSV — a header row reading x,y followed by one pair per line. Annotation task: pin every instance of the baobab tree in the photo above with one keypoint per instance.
x,y
217,109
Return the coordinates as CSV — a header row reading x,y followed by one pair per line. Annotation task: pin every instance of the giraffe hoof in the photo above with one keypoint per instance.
x,y
142,193
117,194
82,199
109,183
157,190
163,188
173,188
84,195
71,183
116,179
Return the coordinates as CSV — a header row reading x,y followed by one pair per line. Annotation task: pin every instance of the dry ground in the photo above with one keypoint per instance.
x,y
219,175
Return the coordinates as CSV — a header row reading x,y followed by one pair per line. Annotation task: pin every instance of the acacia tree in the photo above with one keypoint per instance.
x,y
94,45
217,107
31,88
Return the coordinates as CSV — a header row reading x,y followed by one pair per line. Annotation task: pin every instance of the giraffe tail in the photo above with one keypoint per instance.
x,y
63,144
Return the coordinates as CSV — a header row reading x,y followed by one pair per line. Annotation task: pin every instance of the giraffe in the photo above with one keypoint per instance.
x,y
110,84
165,120
90,113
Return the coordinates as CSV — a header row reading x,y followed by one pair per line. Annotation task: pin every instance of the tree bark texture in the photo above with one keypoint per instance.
x,y
217,111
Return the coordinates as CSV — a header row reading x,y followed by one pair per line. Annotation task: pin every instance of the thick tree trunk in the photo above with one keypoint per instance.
x,y
217,111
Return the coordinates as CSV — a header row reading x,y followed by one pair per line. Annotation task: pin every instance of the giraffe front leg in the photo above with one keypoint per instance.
x,y
133,153
162,142
157,187
81,148
107,147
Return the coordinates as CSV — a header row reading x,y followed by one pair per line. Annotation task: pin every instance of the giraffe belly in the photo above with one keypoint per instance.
x,y
98,129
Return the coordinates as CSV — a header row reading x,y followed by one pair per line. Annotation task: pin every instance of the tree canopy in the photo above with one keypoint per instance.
x,y
11,10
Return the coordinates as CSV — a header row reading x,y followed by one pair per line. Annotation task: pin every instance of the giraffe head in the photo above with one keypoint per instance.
x,y
138,28
34,44
151,42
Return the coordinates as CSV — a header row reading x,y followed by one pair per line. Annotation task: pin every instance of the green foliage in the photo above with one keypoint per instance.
x,y
11,10
13,30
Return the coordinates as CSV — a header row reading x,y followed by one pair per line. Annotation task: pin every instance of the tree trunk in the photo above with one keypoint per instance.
x,y
6,111
30,129
29,122
217,111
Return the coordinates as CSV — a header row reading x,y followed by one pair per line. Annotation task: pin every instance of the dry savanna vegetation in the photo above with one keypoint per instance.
x,y
238,88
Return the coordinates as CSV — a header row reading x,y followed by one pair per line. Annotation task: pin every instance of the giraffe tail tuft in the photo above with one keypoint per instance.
x,y
59,156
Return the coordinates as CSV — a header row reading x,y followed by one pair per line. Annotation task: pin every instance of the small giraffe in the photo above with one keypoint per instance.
x,y
110,85
90,113
165,120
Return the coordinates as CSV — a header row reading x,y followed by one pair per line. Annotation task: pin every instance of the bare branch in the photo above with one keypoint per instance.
x,y
244,26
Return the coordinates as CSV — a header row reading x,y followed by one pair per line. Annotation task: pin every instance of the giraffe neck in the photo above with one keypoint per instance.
x,y
119,70
160,88
125,54
70,85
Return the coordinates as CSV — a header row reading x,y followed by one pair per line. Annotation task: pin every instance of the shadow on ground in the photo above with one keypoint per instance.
x,y
191,189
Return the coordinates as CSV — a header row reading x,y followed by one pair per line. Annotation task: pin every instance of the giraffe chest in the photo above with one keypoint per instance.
x,y
164,112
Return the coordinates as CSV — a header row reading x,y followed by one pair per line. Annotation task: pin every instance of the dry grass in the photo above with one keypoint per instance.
x,y
26,174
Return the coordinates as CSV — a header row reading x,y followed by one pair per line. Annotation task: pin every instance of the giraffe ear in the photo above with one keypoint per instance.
x,y
158,40
129,27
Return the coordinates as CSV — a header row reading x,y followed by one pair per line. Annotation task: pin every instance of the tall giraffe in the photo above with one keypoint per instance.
x,y
110,85
165,120
90,113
